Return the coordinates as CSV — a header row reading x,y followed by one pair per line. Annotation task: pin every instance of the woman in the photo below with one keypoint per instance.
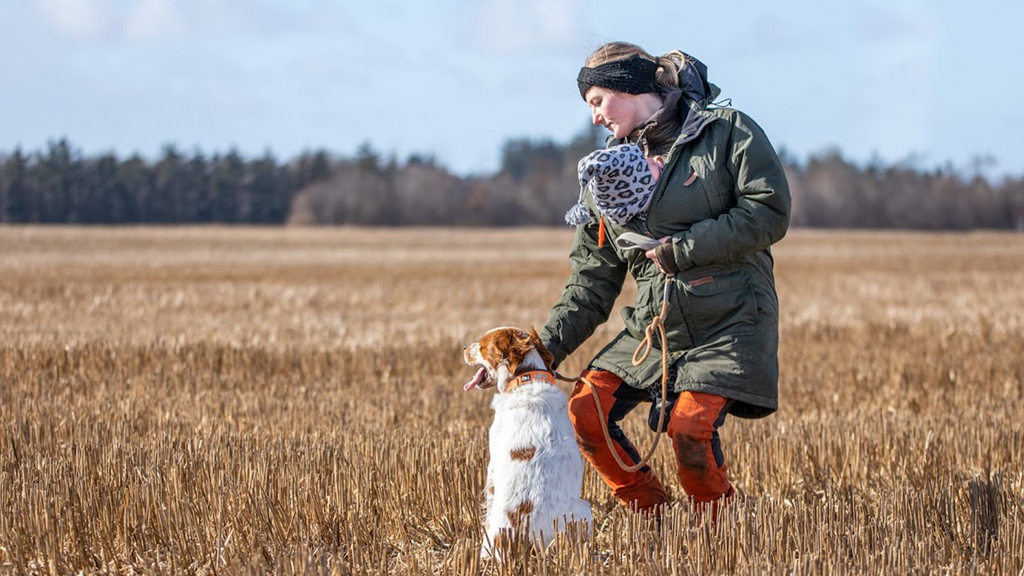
x,y
720,201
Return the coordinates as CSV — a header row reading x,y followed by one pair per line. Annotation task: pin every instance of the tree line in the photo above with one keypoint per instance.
x,y
535,185
61,185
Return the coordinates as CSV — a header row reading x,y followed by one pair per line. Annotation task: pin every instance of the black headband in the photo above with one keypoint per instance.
x,y
633,75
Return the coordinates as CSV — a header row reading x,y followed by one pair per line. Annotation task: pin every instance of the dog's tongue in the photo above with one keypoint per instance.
x,y
476,379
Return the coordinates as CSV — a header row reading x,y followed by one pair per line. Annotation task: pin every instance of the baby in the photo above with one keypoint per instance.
x,y
621,181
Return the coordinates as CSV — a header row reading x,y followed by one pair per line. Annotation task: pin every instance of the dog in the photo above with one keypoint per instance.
x,y
535,473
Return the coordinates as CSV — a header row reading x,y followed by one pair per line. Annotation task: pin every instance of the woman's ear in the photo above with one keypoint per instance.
x,y
545,354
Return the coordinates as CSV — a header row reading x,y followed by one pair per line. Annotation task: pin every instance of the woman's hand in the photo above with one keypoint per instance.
x,y
664,257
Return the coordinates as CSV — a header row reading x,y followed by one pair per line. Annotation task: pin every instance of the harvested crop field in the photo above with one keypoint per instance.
x,y
238,400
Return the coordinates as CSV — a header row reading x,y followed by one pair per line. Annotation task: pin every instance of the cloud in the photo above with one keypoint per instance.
x,y
80,19
153,20
893,23
507,26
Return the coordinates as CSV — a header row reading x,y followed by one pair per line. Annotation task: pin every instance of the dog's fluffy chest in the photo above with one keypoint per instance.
x,y
532,446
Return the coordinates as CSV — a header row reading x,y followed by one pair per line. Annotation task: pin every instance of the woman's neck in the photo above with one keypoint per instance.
x,y
649,104
656,135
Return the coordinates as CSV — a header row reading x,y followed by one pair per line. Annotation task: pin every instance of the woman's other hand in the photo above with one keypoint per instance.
x,y
664,257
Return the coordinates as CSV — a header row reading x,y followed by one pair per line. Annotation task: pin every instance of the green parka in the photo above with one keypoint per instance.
x,y
724,200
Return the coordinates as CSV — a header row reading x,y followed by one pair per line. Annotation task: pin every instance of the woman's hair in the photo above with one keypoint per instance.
x,y
667,75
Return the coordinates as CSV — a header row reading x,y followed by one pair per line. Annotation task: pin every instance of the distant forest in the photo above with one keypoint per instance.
x,y
535,185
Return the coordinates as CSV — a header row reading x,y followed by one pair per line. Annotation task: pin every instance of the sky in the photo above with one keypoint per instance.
x,y
927,83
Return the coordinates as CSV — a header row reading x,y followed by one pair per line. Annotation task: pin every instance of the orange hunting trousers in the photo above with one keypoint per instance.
x,y
693,428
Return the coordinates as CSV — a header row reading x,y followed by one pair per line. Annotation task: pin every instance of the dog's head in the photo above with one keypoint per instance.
x,y
500,353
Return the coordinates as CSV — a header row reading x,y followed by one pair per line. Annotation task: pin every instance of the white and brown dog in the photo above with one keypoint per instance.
x,y
535,474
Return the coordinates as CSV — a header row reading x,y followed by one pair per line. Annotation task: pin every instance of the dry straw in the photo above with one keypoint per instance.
x,y
288,401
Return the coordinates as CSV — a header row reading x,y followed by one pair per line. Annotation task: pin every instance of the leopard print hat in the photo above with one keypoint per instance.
x,y
620,181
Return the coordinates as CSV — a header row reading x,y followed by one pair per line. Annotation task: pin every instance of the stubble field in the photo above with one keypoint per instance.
x,y
222,400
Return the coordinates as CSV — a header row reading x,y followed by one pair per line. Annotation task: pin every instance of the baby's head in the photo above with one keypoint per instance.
x,y
620,179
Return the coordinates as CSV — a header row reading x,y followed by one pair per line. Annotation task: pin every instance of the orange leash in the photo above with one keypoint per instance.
x,y
639,356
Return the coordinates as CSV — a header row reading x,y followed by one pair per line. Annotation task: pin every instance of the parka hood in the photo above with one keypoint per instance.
x,y
693,80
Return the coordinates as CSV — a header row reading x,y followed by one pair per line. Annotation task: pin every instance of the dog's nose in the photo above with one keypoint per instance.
x,y
464,347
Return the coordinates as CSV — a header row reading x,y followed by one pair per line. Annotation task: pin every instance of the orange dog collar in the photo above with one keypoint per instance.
x,y
532,377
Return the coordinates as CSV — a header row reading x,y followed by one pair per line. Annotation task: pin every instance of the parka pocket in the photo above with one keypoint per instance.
x,y
721,302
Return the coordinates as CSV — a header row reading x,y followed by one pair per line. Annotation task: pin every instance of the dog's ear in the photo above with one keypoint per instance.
x,y
518,347
545,354
496,347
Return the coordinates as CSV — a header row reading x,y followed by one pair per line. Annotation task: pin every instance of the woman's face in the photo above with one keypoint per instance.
x,y
616,111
